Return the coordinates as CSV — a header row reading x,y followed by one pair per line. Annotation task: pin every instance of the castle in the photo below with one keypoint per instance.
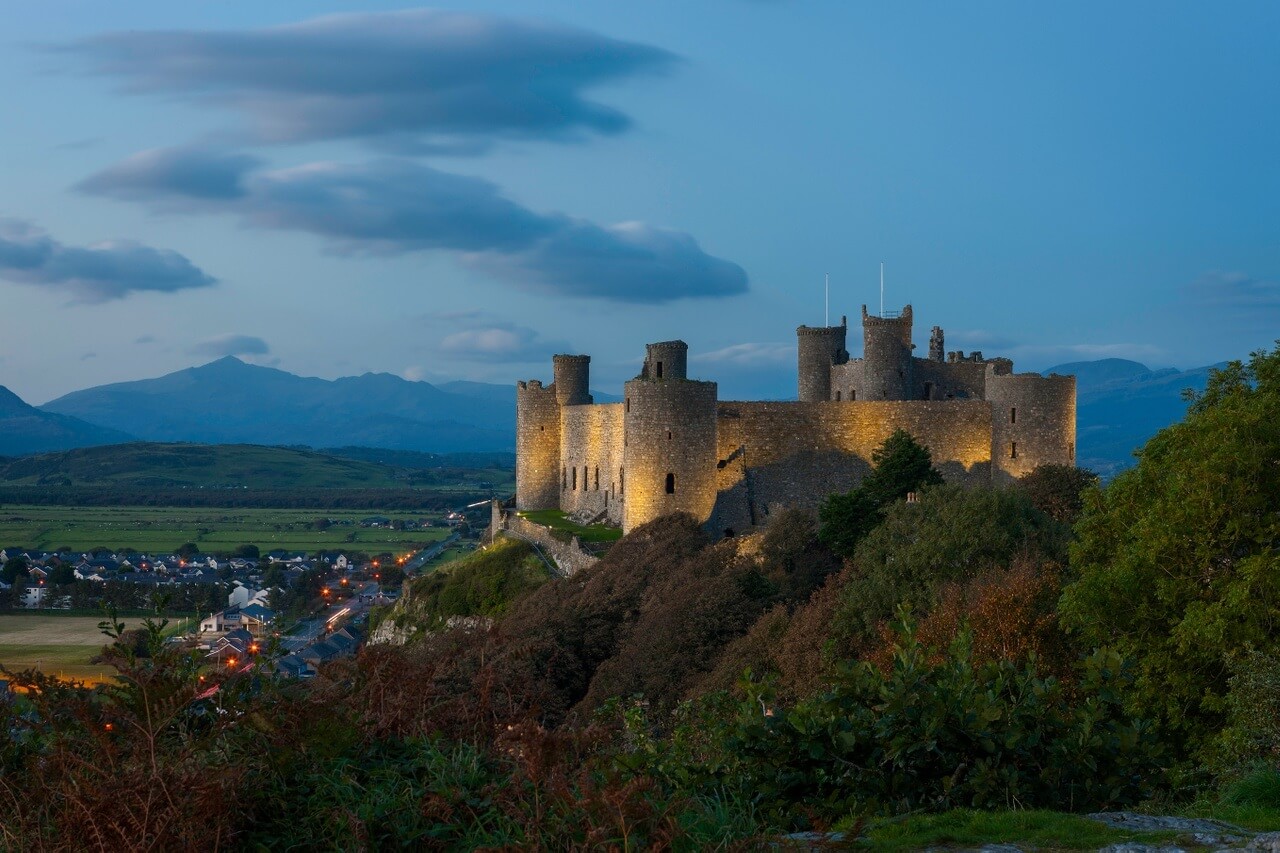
x,y
673,446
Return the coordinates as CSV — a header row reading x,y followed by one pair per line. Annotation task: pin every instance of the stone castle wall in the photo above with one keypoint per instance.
x,y
591,459
537,446
669,452
1034,422
795,454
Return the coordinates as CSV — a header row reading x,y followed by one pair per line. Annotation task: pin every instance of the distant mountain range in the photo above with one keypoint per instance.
x,y
1121,404
230,402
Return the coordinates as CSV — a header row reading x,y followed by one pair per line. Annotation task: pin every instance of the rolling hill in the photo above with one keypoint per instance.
x,y
25,429
228,401
226,466
1120,404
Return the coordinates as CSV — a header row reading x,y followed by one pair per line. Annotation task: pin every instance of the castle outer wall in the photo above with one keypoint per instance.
x,y
672,446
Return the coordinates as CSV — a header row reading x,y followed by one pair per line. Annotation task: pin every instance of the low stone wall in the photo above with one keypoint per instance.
x,y
570,557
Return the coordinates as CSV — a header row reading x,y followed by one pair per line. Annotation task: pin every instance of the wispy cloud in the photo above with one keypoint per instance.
x,y
398,205
423,79
96,273
749,355
230,344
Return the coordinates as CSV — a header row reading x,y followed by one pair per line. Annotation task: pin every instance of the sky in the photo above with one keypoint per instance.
x,y
459,192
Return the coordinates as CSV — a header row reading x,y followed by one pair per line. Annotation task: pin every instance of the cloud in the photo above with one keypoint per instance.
x,y
145,339
177,173
499,343
423,79
97,273
225,345
750,355
397,205
1239,293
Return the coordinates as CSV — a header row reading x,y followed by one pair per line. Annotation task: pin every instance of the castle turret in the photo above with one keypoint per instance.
x,y
887,363
572,379
666,360
669,458
537,446
819,348
1033,420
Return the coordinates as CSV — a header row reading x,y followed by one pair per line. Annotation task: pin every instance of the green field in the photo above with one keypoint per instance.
x,y
57,645
231,466
164,529
558,521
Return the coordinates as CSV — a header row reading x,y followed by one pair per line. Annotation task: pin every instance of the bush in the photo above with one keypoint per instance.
x,y
943,735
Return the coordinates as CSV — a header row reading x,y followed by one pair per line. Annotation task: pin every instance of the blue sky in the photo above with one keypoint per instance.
x,y
459,192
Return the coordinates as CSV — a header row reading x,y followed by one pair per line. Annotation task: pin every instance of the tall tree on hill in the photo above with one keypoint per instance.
x,y
1179,557
902,465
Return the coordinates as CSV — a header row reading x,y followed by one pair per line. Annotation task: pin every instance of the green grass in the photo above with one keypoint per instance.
x,y
557,520
214,530
1044,830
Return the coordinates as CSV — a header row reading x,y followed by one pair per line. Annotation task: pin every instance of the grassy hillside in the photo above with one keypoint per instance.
x,y
202,466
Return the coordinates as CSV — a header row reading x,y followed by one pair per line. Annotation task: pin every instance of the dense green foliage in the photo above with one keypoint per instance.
x,y
1058,490
901,465
1178,558
483,583
951,534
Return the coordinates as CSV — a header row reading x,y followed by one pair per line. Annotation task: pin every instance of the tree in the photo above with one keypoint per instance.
x,y
248,552
1058,490
902,465
187,550
951,535
62,574
14,568
1179,557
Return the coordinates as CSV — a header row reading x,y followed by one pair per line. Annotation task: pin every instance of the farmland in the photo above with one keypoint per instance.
x,y
214,530
55,644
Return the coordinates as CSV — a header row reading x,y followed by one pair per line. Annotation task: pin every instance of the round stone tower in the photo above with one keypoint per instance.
x,y
537,447
820,347
572,379
1033,421
666,360
669,457
886,359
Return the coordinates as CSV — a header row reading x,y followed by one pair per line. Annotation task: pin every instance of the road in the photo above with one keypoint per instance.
x,y
334,616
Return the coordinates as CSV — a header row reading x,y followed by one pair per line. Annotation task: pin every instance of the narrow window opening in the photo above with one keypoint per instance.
x,y
1013,415
597,477
622,483
584,478
928,391
628,404
564,478
1071,452
853,394
671,484
542,429
659,370
837,396
575,478
668,435
728,533
1013,450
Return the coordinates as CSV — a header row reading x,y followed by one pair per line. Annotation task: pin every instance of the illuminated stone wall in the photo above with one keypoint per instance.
x,y
537,446
670,432
795,454
1034,422
591,458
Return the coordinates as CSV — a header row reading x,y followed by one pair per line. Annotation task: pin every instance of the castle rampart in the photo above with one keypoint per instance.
x,y
671,446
